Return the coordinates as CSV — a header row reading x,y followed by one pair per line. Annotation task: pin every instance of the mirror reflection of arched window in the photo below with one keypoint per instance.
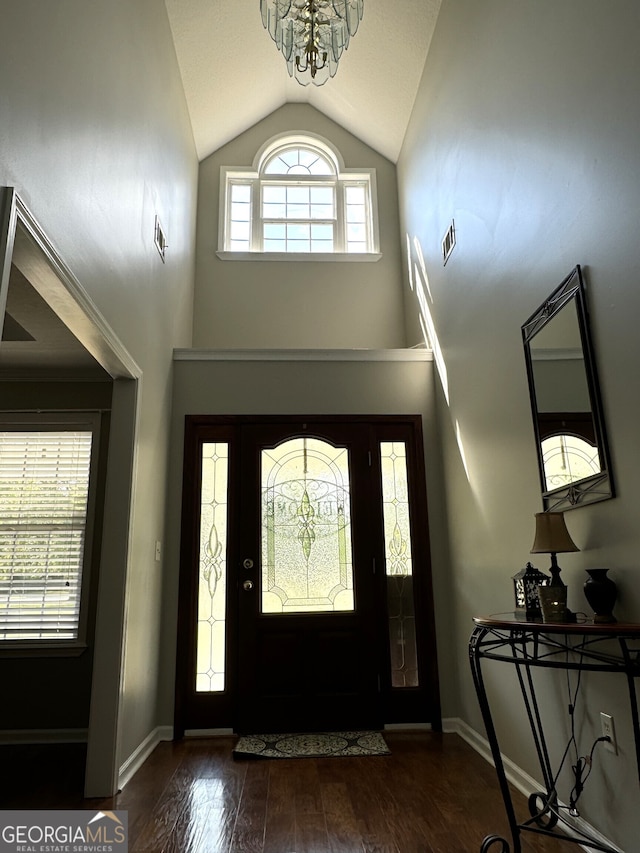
x,y
567,458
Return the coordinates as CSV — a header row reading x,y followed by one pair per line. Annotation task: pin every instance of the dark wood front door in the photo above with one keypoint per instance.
x,y
307,651
305,589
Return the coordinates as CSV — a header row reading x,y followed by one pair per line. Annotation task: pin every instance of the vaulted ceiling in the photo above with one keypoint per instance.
x,y
234,75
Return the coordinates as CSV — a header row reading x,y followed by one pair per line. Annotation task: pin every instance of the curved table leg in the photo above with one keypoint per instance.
x,y
476,671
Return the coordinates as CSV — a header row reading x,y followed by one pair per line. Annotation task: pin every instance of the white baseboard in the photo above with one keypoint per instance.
x,y
526,784
42,736
143,751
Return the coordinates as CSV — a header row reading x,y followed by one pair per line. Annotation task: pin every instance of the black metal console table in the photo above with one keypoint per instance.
x,y
529,645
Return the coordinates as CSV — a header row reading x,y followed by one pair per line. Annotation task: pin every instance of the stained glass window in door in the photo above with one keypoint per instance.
x,y
398,564
566,459
210,649
306,528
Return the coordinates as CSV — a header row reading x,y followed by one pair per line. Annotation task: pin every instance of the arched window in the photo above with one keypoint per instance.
x,y
298,199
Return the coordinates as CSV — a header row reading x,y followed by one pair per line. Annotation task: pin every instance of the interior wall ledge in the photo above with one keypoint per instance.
x,y
302,355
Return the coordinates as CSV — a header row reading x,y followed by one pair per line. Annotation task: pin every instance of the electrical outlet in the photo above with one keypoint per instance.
x,y
158,551
608,731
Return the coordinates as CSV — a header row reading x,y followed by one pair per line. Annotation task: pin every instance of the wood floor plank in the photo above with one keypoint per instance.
x,y
280,832
311,833
248,835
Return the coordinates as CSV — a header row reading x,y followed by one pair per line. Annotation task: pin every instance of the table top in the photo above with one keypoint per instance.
x,y
507,621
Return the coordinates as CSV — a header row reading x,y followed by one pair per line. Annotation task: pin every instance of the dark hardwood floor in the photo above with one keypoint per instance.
x,y
433,794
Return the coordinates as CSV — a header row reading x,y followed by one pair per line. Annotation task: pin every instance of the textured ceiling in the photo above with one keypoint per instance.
x,y
234,76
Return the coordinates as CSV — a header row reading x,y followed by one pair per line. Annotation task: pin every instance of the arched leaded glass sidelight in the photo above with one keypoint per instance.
x,y
306,528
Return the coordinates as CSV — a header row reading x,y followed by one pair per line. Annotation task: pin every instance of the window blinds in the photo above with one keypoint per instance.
x,y
44,482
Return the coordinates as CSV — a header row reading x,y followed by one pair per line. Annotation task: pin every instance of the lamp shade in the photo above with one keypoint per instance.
x,y
552,536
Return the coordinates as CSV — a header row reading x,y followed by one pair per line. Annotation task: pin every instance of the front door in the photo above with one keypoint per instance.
x,y
307,606
305,592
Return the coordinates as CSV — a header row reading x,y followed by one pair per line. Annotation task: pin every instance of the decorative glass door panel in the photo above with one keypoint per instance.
x,y
307,564
398,564
212,569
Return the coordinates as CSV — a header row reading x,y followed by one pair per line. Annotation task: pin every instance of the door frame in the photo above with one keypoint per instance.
x,y
399,705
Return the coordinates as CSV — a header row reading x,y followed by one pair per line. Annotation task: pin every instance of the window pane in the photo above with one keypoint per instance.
x,y
297,211
212,569
44,486
322,195
398,564
322,245
241,192
298,231
239,245
298,195
273,194
277,166
322,232
356,213
356,233
275,246
355,195
240,231
274,211
322,211
306,528
274,231
240,212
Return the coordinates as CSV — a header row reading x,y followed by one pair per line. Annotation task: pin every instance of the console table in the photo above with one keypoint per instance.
x,y
527,646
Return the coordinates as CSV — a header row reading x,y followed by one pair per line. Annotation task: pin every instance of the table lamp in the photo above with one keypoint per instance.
x,y
552,537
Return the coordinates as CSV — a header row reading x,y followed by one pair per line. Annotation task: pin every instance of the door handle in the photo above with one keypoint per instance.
x,y
247,586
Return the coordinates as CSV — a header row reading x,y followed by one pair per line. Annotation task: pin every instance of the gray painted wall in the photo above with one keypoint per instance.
x,y
525,132
95,136
297,303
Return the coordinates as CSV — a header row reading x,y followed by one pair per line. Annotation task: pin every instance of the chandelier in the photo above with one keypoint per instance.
x,y
311,34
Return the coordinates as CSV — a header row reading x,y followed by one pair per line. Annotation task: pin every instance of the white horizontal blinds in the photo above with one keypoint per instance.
x,y
44,481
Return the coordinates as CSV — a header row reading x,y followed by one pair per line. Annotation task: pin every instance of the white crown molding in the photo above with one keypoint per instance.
x,y
393,355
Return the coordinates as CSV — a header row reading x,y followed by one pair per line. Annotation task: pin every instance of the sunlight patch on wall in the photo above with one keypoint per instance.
x,y
429,331
423,266
462,453
409,262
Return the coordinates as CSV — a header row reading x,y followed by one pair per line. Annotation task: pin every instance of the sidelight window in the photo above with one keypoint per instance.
x,y
398,564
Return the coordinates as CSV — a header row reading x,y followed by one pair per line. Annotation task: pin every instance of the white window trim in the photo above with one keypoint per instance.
x,y
252,176
61,421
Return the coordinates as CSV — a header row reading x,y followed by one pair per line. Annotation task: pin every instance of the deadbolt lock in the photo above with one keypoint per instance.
x,y
248,563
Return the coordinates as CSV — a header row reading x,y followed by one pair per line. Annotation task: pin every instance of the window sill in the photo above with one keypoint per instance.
x,y
331,257
41,650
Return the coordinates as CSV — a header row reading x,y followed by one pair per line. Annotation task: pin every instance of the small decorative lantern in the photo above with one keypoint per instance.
x,y
525,587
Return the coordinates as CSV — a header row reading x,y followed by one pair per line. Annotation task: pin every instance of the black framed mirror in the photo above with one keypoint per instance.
x,y
568,421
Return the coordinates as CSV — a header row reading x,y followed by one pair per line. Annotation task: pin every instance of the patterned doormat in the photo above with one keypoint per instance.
x,y
316,745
